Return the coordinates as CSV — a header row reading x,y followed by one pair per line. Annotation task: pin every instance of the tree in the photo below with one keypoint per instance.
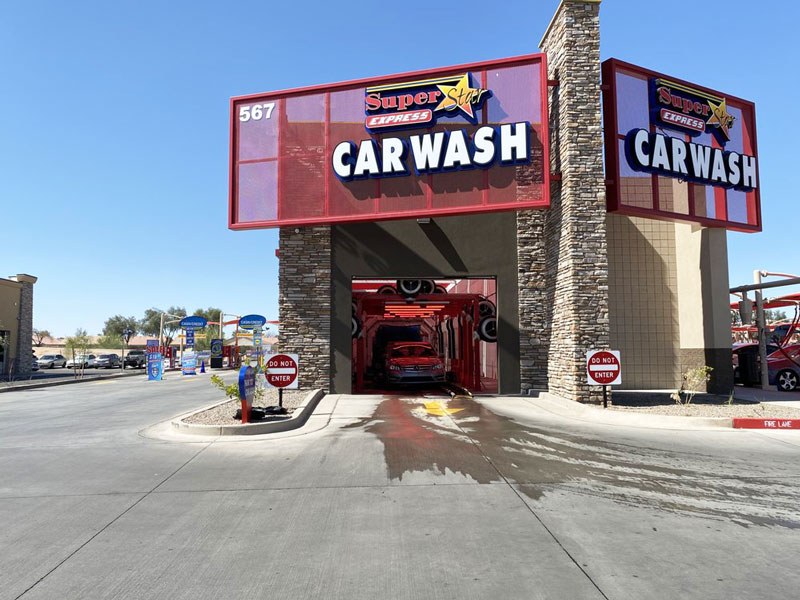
x,y
77,345
774,315
39,335
210,314
150,324
114,326
109,341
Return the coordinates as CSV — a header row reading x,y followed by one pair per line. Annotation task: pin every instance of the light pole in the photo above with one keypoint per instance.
x,y
126,337
221,319
161,327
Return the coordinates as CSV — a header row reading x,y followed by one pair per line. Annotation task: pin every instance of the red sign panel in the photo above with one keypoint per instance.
x,y
678,151
603,367
281,370
457,140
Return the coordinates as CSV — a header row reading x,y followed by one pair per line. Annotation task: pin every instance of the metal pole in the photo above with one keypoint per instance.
x,y
280,397
161,331
605,396
762,332
764,286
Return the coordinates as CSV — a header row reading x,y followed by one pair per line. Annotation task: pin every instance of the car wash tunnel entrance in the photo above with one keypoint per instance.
x,y
414,334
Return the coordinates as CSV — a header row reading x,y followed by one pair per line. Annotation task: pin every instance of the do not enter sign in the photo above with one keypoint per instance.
x,y
603,367
281,370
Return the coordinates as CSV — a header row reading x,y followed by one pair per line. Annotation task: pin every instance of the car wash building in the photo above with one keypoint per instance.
x,y
501,219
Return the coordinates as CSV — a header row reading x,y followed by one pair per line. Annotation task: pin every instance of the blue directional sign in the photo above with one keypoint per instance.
x,y
190,338
193,323
247,384
252,322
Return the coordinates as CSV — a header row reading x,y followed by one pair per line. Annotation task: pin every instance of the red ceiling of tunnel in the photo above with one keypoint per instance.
x,y
392,306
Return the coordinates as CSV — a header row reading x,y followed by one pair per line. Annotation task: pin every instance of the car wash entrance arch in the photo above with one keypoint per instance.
x,y
421,333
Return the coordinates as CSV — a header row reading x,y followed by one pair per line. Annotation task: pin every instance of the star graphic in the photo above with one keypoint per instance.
x,y
720,117
460,96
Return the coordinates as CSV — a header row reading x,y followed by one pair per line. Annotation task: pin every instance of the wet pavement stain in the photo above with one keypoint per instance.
x,y
463,437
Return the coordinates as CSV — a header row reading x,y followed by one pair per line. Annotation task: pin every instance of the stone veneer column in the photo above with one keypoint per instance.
x,y
305,302
534,300
569,279
23,362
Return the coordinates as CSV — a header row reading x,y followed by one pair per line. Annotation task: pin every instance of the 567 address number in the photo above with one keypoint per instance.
x,y
256,112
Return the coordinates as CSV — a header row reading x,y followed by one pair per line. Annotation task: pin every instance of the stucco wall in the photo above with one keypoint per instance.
x,y
9,313
643,301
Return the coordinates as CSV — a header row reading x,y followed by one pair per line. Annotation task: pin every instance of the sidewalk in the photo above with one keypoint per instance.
x,y
529,406
771,396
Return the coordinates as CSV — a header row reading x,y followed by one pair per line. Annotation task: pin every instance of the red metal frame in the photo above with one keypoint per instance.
x,y
395,78
612,158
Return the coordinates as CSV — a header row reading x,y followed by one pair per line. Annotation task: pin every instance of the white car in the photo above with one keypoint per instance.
x,y
50,361
85,360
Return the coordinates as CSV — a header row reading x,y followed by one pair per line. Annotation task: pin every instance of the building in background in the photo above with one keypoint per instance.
x,y
16,325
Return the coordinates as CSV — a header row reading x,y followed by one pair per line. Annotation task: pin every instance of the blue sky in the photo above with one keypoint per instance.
x,y
114,141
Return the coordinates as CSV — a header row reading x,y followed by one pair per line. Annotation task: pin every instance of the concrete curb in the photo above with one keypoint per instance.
x,y
568,408
297,420
66,381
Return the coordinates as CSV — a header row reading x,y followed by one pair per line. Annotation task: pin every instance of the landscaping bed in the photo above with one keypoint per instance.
x,y
223,414
703,405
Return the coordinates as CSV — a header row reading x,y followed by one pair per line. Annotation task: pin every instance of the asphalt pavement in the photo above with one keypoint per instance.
x,y
395,497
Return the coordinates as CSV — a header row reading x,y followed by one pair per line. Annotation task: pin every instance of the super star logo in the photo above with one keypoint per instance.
x,y
460,97
720,118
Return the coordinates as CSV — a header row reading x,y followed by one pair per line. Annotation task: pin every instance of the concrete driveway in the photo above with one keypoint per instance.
x,y
397,497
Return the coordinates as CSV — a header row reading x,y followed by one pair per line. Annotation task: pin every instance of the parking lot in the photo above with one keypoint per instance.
x,y
394,497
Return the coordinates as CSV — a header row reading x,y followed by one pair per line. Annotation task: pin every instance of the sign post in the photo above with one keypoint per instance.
x,y
281,371
603,367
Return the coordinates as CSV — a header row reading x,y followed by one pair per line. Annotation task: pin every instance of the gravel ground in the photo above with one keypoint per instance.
x,y
223,414
704,405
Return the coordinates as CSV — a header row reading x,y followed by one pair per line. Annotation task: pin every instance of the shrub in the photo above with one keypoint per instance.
x,y
693,380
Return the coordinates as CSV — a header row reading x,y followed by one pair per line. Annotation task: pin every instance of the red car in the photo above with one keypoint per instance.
x,y
784,368
413,362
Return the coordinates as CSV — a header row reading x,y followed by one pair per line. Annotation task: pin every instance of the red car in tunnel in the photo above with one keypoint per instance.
x,y
413,362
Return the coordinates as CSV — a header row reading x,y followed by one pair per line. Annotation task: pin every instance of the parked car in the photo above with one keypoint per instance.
x,y
413,362
136,358
50,361
751,352
107,361
86,360
784,368
35,363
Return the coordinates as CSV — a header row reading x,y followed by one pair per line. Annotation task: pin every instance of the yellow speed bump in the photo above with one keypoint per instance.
x,y
437,410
